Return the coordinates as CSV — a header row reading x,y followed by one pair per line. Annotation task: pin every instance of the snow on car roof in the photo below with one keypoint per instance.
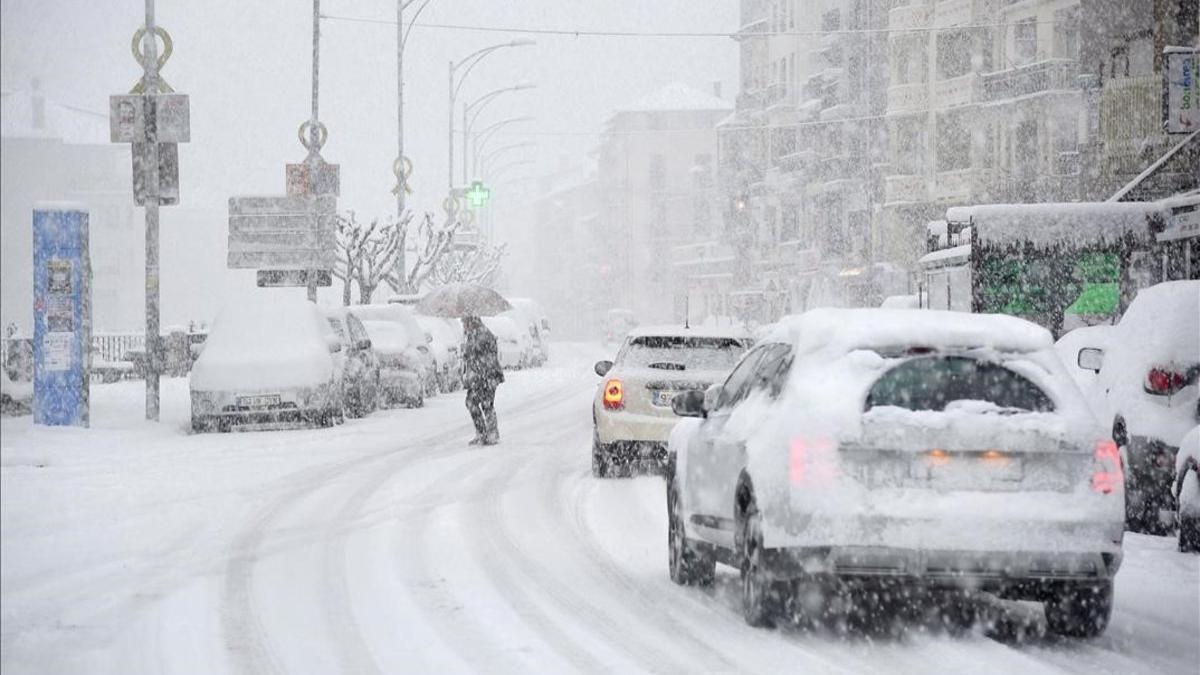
x,y
387,337
399,314
845,330
735,332
1048,223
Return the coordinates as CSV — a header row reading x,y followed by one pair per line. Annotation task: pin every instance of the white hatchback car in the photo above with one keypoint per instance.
x,y
876,448
632,408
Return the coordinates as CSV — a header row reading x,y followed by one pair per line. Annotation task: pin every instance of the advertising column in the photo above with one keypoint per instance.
x,y
62,320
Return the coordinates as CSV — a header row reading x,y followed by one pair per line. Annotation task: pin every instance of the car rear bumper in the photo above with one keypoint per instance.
x,y
617,426
398,382
980,570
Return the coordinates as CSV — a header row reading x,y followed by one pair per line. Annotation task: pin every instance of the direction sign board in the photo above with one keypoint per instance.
x,y
170,112
168,172
1181,90
320,178
281,233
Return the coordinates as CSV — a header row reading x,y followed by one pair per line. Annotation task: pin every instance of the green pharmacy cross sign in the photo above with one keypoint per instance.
x,y
478,195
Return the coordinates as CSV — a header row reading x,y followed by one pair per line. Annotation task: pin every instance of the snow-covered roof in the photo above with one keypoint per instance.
x,y
952,254
676,330
845,330
1052,222
68,123
677,96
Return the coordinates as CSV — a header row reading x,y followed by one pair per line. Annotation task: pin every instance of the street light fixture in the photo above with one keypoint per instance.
x,y
501,150
477,106
481,138
468,62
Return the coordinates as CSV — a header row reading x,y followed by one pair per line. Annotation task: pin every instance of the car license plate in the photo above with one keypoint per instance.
x,y
663,398
258,401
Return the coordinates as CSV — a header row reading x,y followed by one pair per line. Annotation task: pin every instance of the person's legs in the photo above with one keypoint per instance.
x,y
475,407
489,413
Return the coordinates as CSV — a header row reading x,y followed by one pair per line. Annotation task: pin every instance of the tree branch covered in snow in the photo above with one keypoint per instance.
x,y
431,243
478,265
367,252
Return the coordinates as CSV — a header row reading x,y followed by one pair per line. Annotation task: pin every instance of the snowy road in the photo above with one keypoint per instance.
x,y
390,545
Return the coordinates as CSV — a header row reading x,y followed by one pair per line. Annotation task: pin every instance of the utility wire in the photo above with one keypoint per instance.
x,y
662,34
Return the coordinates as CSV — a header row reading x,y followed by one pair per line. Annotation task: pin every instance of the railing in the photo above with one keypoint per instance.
x,y
1053,75
962,185
956,91
113,347
905,189
908,16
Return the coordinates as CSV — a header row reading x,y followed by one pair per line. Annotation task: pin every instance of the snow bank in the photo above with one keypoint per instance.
x,y
264,341
1050,223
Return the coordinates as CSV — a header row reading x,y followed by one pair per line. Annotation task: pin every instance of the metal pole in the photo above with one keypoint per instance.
x,y
450,132
466,135
150,70
313,129
401,263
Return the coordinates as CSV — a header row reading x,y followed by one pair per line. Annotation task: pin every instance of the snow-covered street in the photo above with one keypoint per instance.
x,y
388,544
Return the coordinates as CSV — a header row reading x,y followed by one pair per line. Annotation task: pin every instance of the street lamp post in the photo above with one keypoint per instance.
x,y
483,163
477,106
468,62
480,141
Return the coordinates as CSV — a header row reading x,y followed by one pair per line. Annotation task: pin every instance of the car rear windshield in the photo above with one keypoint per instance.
x,y
933,382
675,352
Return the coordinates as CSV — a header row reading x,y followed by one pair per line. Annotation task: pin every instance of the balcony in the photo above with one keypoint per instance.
x,y
1035,78
908,16
955,91
751,99
798,161
962,186
778,94
948,13
905,189
907,98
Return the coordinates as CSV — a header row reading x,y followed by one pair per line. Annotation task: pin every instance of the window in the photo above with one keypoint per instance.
x,y
953,144
737,385
1024,42
1066,33
934,382
771,373
954,51
658,172
677,352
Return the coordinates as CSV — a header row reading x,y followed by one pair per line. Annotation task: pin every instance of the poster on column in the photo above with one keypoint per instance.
x,y
61,314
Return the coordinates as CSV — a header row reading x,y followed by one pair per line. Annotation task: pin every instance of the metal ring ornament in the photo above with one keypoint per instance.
x,y
468,217
402,168
450,204
140,56
313,142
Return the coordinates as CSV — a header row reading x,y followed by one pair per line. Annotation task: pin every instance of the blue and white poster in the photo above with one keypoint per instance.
x,y
62,325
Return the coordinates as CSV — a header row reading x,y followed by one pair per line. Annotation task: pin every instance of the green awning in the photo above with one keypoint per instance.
x,y
1099,298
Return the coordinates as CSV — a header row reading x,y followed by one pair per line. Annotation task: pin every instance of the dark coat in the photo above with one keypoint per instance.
x,y
481,358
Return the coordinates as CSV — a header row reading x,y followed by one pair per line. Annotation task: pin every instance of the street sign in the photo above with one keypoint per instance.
x,y
168,172
1181,90
62,324
319,178
170,112
284,232
292,278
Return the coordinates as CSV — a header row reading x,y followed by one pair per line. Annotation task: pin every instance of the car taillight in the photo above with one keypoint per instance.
x,y
1164,382
1106,467
614,395
812,462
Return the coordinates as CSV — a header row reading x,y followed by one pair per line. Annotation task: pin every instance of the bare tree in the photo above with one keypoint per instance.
x,y
431,243
367,252
349,250
477,265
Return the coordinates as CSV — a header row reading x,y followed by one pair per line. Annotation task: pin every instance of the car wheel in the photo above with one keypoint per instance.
x,y
600,458
1189,535
224,426
418,402
202,425
1080,610
760,598
688,565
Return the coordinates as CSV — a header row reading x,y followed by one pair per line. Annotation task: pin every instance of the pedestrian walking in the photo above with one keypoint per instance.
x,y
481,375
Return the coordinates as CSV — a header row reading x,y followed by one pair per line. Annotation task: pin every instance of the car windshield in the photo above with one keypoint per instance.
x,y
674,352
936,382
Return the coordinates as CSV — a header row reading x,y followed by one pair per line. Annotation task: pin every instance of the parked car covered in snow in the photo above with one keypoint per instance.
x,y
268,358
1148,389
403,351
867,447
512,341
539,327
1187,491
445,338
360,364
631,411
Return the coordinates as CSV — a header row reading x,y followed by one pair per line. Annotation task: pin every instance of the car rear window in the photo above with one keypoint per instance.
x,y
933,382
676,352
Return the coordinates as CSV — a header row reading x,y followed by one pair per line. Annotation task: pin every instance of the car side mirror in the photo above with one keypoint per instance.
x,y
363,344
602,367
1090,358
711,396
688,404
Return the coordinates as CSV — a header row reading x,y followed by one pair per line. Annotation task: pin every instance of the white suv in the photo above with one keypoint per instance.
x,y
885,449
632,406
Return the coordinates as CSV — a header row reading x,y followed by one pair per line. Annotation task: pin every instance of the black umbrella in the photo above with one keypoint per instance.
x,y
454,301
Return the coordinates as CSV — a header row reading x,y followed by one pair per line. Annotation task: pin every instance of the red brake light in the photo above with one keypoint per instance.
x,y
812,462
1163,381
1106,472
614,395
